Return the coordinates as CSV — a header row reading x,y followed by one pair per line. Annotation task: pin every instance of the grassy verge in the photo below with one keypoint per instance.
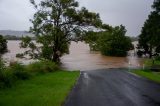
x,y
149,62
48,89
149,75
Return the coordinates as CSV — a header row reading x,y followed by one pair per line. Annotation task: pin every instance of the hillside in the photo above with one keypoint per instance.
x,y
15,33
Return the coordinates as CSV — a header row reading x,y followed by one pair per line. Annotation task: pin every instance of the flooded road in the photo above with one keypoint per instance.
x,y
80,58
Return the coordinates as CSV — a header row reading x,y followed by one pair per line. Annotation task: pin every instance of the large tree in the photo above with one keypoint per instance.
x,y
150,34
55,24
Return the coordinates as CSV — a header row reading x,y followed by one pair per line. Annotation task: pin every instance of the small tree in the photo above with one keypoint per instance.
x,y
55,24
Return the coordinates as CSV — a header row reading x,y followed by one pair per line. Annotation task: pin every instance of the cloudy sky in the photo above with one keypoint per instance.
x,y
15,14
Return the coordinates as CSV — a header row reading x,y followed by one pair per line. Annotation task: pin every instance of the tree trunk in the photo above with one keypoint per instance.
x,y
150,55
56,57
150,52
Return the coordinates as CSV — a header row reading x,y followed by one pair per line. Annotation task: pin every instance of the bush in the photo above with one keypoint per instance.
x,y
19,71
42,66
6,77
157,58
16,71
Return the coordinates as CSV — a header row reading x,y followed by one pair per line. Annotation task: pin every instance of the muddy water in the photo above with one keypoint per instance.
x,y
13,47
80,58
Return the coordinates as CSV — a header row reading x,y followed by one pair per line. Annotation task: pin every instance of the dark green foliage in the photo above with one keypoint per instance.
x,y
139,53
3,45
42,66
33,52
91,38
6,76
19,71
115,43
19,55
157,58
156,5
9,75
55,24
150,34
111,42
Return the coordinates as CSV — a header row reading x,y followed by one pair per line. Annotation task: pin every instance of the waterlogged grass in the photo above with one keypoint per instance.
x,y
149,75
48,89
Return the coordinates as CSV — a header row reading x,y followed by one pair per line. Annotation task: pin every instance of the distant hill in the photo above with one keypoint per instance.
x,y
15,33
134,38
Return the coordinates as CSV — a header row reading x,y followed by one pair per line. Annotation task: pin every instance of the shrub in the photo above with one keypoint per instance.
x,y
19,55
42,66
2,66
6,77
157,58
19,71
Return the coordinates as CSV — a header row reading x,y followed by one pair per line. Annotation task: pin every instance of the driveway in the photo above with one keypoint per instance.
x,y
113,87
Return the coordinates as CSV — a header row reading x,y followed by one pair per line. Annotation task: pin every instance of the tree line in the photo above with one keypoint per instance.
x,y
149,39
13,37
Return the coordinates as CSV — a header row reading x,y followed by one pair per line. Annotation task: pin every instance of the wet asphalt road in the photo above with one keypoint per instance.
x,y
113,87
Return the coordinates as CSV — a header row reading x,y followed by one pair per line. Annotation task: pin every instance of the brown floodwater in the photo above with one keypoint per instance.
x,y
80,58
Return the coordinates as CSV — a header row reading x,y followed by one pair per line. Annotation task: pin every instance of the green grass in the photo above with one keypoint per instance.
x,y
48,89
149,62
149,75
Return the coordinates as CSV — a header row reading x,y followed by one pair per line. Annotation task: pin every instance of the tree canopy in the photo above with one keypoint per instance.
x,y
55,24
112,42
91,38
150,33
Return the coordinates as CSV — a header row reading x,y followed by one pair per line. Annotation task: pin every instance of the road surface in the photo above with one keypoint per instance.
x,y
113,87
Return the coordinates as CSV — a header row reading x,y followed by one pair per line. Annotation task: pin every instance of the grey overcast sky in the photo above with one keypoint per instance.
x,y
15,14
